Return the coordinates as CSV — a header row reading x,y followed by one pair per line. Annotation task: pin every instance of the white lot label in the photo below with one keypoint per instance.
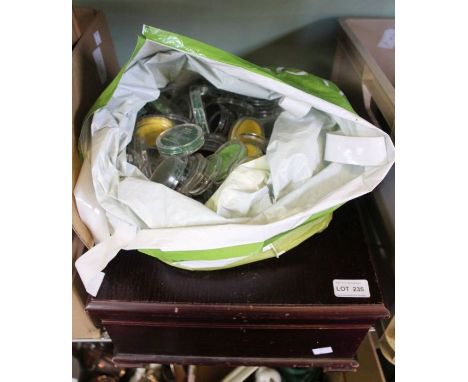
x,y
351,288
326,350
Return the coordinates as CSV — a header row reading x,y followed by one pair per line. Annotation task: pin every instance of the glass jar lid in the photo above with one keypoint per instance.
x,y
201,174
198,110
264,108
171,171
213,142
183,139
256,145
237,105
177,119
219,118
150,127
246,126
161,105
231,154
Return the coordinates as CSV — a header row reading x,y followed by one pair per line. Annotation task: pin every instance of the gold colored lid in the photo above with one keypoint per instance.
x,y
150,127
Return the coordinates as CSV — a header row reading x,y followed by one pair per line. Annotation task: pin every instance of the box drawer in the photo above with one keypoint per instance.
x,y
155,342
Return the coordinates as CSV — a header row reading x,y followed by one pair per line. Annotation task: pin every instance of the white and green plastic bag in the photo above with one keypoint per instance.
x,y
320,155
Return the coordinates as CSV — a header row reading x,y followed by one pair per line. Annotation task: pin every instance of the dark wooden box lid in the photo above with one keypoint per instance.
x,y
297,286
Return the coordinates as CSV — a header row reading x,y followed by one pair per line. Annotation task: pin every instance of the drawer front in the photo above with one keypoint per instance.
x,y
235,342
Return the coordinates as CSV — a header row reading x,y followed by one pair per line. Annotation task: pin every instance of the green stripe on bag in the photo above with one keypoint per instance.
x,y
249,252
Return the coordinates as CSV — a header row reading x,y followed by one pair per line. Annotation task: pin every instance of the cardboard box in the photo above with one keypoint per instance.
x,y
94,66
81,19
364,69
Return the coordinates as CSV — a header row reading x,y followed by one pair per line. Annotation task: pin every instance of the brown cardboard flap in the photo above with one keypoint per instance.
x,y
82,17
82,326
87,83
76,33
78,247
369,365
94,65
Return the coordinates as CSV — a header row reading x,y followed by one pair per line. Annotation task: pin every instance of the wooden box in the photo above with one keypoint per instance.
x,y
274,312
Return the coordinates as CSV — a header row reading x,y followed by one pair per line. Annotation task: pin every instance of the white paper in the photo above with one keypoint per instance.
x,y
245,191
297,108
100,65
91,263
324,350
295,150
97,38
91,213
387,41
